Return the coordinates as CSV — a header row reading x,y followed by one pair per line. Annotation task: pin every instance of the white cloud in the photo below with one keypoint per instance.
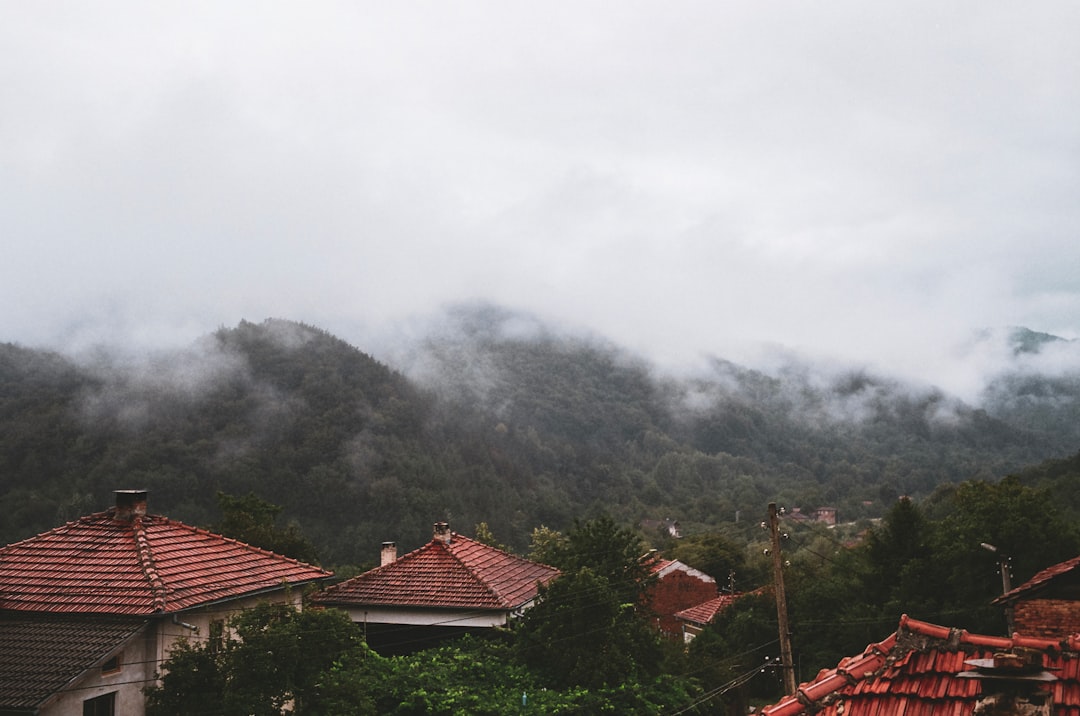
x,y
867,182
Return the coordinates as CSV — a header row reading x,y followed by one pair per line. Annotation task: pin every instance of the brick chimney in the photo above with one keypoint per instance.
x,y
389,553
442,532
129,504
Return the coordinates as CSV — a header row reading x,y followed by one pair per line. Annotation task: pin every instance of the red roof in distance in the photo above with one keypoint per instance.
x,y
458,573
705,612
137,564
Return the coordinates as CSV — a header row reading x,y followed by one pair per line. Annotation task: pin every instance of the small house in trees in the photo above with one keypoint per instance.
x,y
668,527
1048,604
933,670
826,515
675,586
449,586
90,609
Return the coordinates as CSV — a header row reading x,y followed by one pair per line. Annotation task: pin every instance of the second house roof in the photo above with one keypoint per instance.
x,y
457,572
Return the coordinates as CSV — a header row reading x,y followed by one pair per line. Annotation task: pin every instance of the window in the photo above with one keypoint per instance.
x,y
217,635
112,666
104,705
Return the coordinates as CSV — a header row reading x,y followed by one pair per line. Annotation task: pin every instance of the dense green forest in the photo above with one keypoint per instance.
x,y
286,436
489,421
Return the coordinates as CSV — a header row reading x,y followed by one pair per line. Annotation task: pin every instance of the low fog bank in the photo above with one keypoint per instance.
x,y
454,348
454,352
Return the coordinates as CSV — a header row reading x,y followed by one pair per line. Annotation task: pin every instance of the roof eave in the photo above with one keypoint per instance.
x,y
282,586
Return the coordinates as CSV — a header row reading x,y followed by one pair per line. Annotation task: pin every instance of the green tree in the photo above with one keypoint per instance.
x,y
899,554
1024,523
252,519
714,554
545,544
586,628
611,552
581,633
485,535
270,656
194,676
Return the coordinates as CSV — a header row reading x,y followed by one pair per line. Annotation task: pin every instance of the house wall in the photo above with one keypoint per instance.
x,y
136,669
171,630
690,631
427,617
673,592
1047,617
142,657
395,631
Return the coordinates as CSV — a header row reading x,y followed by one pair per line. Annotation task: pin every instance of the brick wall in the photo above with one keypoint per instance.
x,y
1047,617
674,592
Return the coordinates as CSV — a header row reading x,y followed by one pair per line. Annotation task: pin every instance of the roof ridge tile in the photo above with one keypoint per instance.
x,y
145,553
489,587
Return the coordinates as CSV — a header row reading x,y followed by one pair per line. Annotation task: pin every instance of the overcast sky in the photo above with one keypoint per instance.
x,y
872,181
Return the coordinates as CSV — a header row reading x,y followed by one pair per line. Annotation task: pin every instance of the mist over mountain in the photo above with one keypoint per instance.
x,y
495,416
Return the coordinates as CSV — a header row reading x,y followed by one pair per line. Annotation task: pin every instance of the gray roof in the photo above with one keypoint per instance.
x,y
41,654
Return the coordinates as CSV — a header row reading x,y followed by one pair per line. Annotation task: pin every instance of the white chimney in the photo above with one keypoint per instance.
x,y
389,553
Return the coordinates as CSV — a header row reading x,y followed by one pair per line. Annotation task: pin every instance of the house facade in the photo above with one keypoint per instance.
x,y
449,586
114,591
673,587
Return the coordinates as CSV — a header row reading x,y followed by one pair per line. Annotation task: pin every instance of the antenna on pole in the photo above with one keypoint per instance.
x,y
787,666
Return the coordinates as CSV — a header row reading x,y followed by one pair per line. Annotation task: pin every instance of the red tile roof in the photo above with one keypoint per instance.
x,y
41,654
915,672
705,612
1040,580
459,574
144,565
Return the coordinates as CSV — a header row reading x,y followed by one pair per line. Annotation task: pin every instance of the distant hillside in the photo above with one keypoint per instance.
x,y
1040,391
501,420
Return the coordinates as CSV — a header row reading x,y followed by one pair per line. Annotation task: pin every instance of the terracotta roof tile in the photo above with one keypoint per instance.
x,y
1040,580
705,612
915,671
462,573
41,654
148,564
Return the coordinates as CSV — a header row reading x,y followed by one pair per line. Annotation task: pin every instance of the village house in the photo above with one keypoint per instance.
x,y
90,610
450,586
668,527
673,587
824,515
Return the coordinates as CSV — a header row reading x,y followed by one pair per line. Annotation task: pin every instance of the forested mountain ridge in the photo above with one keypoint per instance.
x,y
497,418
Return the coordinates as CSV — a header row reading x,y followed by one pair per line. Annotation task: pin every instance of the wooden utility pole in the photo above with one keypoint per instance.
x,y
786,664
